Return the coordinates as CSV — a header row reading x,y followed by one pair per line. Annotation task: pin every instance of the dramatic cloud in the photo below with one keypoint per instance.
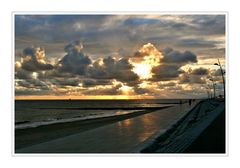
x,y
64,82
145,59
75,61
166,72
33,59
212,24
171,63
111,68
95,82
195,76
23,74
114,30
122,54
32,83
200,71
177,57
78,73
148,50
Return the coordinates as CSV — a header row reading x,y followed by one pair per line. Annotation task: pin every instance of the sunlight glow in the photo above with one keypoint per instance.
x,y
34,75
143,70
82,97
126,90
151,59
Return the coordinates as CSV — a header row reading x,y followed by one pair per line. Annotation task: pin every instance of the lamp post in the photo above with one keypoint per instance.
x,y
209,91
222,73
208,94
214,89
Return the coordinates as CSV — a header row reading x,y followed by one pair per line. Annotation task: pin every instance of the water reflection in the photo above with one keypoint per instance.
x,y
125,128
125,123
136,130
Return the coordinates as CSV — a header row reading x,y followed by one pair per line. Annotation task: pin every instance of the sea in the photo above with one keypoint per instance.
x,y
35,113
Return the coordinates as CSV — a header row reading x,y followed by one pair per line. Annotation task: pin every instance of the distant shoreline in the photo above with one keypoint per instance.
x,y
112,99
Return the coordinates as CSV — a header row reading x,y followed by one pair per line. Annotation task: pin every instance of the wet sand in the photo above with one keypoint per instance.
x,y
31,136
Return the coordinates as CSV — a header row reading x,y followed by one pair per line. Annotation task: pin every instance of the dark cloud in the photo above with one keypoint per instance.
x,y
115,30
33,83
64,82
23,74
179,26
200,71
33,59
94,82
140,91
104,35
75,61
174,56
209,24
171,63
197,76
111,68
23,83
141,21
166,72
56,27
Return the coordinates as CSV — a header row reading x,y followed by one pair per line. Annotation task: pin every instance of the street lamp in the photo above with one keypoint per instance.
x,y
209,91
219,64
214,89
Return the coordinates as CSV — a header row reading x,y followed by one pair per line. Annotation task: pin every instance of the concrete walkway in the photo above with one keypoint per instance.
x,y
181,136
120,137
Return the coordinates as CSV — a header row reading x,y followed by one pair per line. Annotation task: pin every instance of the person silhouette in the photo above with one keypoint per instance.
x,y
190,102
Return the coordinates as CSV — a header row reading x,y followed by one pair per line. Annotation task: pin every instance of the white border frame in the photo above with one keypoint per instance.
x,y
226,13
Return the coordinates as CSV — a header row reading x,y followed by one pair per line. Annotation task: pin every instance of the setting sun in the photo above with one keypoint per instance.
x,y
126,90
150,58
143,70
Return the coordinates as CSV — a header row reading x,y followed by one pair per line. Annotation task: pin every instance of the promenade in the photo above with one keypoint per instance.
x,y
200,131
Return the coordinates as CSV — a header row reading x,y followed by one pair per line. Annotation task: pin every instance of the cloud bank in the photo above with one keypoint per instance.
x,y
122,54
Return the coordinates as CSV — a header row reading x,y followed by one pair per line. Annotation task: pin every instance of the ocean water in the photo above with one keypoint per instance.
x,y
34,113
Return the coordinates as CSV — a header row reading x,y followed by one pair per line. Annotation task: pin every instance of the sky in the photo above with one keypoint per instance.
x,y
118,56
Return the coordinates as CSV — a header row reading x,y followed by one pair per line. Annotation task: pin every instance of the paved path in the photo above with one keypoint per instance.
x,y
120,137
182,139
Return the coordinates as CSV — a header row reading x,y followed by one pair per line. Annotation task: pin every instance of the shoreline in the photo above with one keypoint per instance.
x,y
31,136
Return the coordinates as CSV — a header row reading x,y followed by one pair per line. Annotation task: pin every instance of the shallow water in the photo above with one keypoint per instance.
x,y
119,137
32,113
